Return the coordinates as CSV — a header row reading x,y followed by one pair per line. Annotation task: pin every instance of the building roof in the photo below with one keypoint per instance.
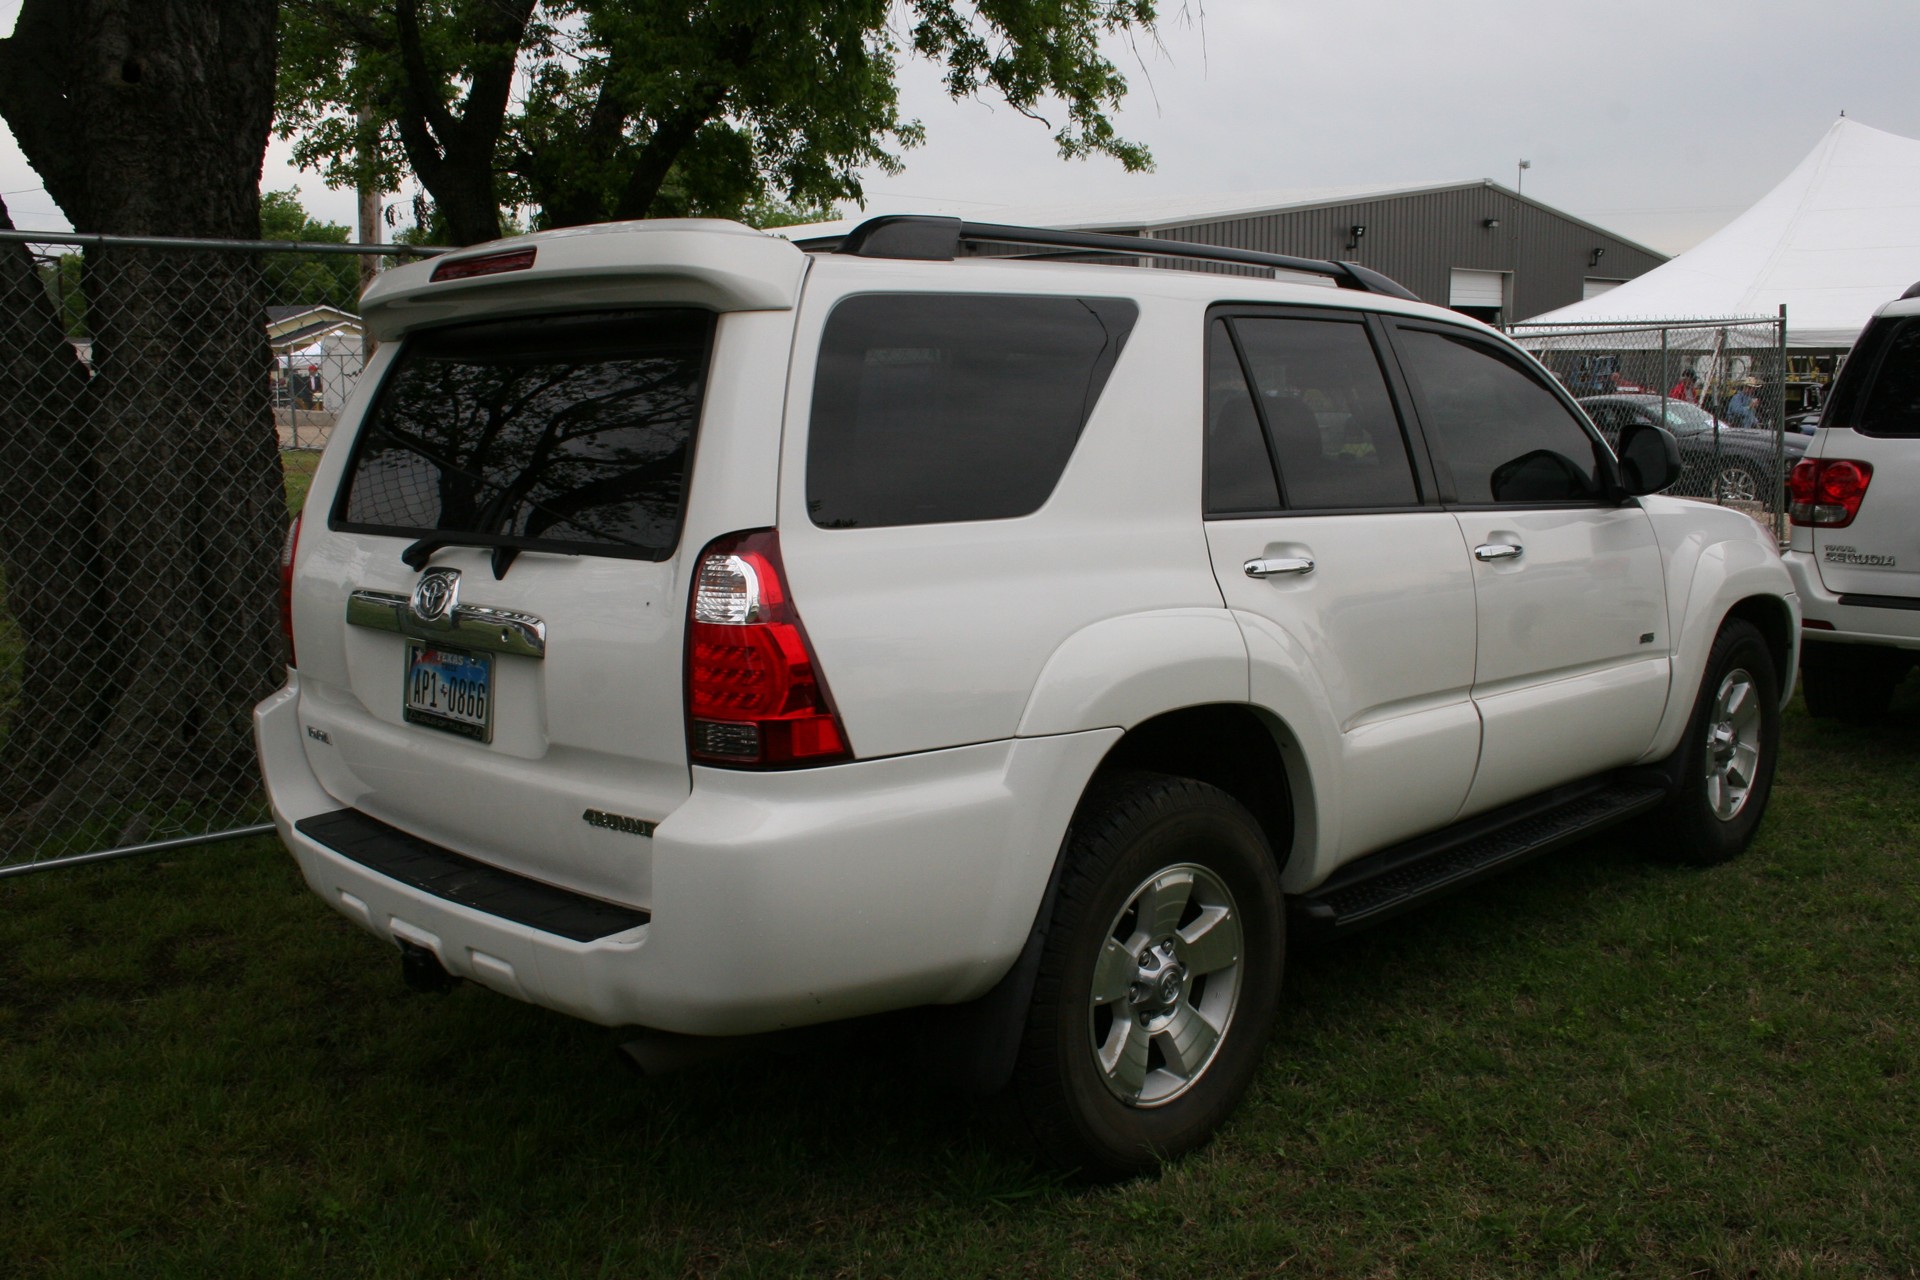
x,y
1838,237
1149,214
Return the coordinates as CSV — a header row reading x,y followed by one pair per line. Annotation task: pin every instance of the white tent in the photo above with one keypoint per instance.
x,y
1837,238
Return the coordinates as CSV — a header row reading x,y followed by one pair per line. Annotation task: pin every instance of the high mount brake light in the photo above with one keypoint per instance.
x,y
487,264
755,695
1825,493
287,551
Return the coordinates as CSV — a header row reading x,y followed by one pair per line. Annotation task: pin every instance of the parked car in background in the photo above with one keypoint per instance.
x,y
1718,461
1855,554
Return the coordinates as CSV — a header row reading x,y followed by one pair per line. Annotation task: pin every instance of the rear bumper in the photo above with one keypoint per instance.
x,y
779,899
1889,623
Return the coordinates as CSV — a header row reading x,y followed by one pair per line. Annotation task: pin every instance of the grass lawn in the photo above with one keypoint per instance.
x,y
298,466
1598,1065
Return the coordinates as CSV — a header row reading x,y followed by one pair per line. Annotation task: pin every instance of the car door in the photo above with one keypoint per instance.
x,y
1343,571
1571,664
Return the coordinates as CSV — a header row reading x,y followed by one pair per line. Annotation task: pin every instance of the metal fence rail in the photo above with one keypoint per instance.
x,y
135,373
1723,386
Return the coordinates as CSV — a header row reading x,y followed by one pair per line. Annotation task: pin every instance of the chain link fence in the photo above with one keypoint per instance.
x,y
162,403
1723,387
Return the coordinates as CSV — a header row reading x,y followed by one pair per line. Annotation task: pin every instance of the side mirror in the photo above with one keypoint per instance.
x,y
1649,458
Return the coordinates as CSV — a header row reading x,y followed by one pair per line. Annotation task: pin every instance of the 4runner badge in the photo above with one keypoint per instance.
x,y
618,822
1837,553
436,595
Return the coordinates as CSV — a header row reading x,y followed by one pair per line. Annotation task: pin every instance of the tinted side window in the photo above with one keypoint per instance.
x,y
1239,473
941,407
1336,437
1890,403
564,430
1504,437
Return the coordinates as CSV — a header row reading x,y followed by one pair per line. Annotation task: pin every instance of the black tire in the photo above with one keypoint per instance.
x,y
1852,683
1134,839
1727,758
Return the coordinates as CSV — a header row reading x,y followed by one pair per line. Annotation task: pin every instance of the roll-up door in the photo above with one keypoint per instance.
x,y
1477,288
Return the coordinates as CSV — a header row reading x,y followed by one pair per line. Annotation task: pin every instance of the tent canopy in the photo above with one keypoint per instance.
x,y
1839,237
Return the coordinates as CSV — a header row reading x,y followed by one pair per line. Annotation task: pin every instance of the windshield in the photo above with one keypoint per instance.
x,y
1685,419
571,432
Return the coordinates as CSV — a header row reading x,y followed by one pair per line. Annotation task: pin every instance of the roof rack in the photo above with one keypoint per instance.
x,y
939,239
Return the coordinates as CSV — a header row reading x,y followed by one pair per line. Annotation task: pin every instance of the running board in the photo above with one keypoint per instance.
x,y
1396,879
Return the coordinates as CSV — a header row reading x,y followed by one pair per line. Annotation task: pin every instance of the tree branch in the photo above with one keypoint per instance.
x,y
36,71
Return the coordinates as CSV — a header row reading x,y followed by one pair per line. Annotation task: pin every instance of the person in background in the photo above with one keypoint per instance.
x,y
1686,388
1742,410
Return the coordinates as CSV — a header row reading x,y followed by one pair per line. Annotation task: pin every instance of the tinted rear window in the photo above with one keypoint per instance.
x,y
1883,397
944,407
565,431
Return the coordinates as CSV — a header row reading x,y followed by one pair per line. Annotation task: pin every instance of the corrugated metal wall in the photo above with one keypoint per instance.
x,y
1419,239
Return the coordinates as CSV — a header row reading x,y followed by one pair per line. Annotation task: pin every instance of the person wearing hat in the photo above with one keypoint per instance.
x,y
1743,409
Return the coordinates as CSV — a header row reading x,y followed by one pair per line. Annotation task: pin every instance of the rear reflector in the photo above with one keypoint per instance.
x,y
1825,493
487,264
755,695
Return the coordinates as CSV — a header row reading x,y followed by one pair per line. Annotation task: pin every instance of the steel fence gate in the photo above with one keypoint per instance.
x,y
1719,385
142,382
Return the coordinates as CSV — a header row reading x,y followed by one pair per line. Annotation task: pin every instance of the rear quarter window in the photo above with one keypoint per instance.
x,y
930,408
1883,399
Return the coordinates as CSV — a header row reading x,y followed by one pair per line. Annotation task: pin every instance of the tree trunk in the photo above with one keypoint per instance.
x,y
166,477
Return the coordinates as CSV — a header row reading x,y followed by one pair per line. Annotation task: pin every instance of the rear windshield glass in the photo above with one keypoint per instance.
x,y
943,407
565,431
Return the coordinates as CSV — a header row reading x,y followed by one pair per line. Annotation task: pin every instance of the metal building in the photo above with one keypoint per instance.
x,y
1475,246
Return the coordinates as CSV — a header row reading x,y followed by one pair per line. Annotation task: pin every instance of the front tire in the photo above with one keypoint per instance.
x,y
1728,755
1158,983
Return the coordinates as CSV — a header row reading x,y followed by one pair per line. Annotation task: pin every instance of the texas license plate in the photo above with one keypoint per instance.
x,y
450,690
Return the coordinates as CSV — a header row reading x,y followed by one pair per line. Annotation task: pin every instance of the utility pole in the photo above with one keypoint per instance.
x,y
1520,177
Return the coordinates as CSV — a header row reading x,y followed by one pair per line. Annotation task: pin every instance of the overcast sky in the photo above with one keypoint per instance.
x,y
1658,120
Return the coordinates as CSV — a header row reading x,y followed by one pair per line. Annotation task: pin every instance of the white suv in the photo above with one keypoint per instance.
x,y
700,635
1855,557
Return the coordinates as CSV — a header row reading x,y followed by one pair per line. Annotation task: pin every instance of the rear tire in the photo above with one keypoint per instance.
x,y
1728,755
1158,981
1852,683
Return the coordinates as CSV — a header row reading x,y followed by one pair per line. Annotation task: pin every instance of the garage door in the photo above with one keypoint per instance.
x,y
1592,288
1477,288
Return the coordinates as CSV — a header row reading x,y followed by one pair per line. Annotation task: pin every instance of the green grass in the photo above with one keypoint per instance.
x,y
1598,1065
298,466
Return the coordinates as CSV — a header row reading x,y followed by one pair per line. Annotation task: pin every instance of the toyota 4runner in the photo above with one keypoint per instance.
x,y
1855,557
694,633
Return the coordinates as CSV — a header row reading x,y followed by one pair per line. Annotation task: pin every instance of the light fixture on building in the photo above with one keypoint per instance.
x,y
1491,224
1598,254
1357,230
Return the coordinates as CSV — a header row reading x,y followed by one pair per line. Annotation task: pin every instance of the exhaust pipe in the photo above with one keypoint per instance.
x,y
421,970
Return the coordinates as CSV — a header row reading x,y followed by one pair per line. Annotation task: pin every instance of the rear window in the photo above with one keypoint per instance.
x,y
1882,397
945,407
567,432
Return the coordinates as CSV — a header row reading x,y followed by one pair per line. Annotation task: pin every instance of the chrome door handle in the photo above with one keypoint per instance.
x,y
1278,565
1498,551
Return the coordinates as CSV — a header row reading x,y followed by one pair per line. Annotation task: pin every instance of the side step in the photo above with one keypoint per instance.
x,y
1396,879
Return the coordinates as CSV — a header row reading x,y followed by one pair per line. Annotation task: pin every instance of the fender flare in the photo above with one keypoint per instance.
x,y
1121,671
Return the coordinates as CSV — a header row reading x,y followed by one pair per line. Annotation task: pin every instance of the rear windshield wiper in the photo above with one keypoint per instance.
x,y
506,548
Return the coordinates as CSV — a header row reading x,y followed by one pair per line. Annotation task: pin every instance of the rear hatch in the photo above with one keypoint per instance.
x,y
490,624
1874,420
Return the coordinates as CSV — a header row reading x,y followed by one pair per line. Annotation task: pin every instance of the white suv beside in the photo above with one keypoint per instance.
x,y
1855,556
703,636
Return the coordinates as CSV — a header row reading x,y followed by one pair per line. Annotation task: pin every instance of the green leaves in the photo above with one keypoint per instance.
x,y
637,108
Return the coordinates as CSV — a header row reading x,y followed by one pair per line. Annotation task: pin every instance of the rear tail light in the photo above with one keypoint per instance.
x,y
286,587
1825,493
755,695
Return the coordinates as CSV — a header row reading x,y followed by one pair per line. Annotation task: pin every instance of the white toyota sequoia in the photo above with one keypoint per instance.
x,y
704,636
1855,557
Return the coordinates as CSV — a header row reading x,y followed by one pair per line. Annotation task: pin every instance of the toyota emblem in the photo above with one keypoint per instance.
x,y
436,595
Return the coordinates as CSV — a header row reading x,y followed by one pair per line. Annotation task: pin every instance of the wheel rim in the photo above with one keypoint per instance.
x,y
1733,744
1738,486
1165,985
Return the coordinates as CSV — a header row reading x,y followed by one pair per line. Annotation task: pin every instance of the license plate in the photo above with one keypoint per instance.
x,y
450,690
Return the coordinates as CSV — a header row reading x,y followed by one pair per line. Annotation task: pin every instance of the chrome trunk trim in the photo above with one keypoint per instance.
x,y
470,626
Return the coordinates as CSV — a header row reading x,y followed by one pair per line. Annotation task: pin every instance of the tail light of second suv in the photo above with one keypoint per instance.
x,y
1825,493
